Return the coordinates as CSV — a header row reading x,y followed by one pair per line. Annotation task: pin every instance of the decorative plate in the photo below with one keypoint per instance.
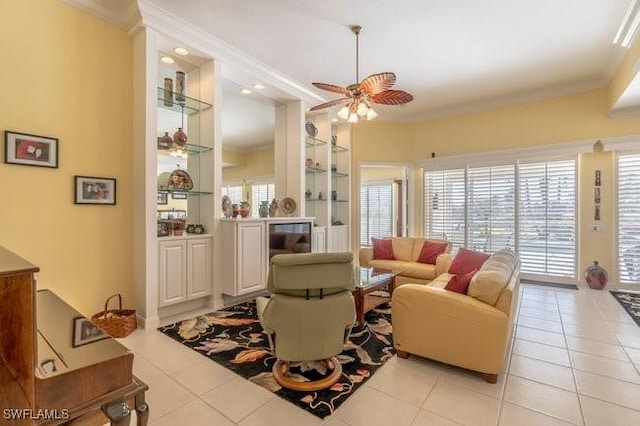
x,y
311,128
227,207
287,206
180,180
163,180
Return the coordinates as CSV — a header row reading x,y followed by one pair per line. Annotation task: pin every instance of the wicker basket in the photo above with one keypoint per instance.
x,y
117,322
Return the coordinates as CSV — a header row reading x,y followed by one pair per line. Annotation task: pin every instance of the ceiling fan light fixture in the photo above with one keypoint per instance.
x,y
344,112
353,118
362,109
371,114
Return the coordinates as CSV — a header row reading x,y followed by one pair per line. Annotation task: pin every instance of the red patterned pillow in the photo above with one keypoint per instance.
x,y
430,251
382,249
466,261
460,283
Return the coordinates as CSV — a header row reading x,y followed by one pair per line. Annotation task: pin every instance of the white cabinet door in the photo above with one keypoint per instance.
x,y
339,238
319,239
172,272
251,257
199,271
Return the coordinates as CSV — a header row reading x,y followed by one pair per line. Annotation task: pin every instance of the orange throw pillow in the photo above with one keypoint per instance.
x,y
466,261
430,251
382,249
460,283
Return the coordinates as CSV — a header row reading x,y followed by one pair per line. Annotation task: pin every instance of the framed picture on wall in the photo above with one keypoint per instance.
x,y
30,150
94,190
162,198
597,179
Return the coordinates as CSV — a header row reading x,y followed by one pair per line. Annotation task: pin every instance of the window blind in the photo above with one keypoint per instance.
x,y
376,211
628,169
445,205
234,192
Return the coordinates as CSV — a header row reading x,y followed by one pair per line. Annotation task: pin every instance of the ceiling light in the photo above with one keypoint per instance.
x,y
362,109
167,60
371,114
246,91
629,25
344,112
258,86
181,51
353,118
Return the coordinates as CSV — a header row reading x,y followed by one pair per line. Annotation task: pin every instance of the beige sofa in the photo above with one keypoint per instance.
x,y
472,331
406,250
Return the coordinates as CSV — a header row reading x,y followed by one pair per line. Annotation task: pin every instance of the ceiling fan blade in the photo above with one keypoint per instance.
x,y
332,88
377,83
391,97
330,104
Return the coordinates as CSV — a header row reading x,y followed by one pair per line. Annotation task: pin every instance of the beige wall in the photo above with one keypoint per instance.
x,y
582,116
68,75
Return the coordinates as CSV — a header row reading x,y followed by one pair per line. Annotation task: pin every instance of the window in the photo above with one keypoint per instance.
x,y
261,192
490,208
547,218
376,211
629,218
234,192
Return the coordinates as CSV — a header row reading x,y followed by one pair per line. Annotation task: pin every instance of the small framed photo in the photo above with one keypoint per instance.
x,y
178,196
596,195
162,198
596,214
94,190
30,150
84,331
597,180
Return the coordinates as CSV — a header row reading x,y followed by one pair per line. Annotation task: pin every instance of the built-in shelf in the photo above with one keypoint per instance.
x,y
310,170
188,148
176,191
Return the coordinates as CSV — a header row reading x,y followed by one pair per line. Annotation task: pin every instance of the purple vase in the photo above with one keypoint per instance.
x,y
596,276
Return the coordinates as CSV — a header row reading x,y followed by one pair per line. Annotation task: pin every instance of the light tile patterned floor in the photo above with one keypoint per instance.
x,y
575,361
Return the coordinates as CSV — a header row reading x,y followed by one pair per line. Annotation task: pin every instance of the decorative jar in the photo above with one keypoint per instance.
x,y
180,137
245,209
263,211
596,276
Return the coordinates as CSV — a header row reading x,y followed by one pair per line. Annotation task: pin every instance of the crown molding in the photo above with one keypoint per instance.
x,y
616,113
122,13
172,26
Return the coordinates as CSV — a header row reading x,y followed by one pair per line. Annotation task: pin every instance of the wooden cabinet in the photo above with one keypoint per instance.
x,y
339,238
184,269
244,256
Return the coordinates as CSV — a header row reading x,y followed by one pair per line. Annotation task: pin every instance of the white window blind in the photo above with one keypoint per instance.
x,y
234,192
547,218
444,205
376,211
261,192
629,218
491,204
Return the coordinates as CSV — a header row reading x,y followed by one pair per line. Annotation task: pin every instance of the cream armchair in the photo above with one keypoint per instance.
x,y
310,312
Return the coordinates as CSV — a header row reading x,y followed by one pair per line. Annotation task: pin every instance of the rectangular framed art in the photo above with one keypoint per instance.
x,y
94,190
163,198
30,150
84,331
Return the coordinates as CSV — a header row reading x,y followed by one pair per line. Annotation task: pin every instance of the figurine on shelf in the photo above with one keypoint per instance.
x,y
320,195
307,193
273,208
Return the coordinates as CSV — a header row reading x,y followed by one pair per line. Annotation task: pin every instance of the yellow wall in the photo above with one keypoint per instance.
x,y
254,163
68,75
575,117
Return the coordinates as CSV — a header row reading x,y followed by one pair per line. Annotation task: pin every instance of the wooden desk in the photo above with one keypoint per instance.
x,y
48,375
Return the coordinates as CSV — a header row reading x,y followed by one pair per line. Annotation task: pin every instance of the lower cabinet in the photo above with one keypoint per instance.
x,y
244,257
319,239
338,238
184,269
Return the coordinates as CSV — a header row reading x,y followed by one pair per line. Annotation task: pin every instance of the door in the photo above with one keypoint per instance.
x,y
172,272
199,268
251,257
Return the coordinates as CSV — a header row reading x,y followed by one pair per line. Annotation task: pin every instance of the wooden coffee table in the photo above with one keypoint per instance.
x,y
370,280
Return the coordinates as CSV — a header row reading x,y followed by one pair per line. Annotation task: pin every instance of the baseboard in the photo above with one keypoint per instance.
x,y
548,284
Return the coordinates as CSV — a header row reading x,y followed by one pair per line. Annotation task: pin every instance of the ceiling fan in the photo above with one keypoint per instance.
x,y
358,96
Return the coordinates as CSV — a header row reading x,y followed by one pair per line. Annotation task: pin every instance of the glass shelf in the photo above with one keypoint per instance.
x,y
339,174
175,191
340,201
190,149
311,141
315,199
311,170
189,105
338,149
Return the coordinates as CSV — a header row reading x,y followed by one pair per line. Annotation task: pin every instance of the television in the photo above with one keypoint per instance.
x,y
290,237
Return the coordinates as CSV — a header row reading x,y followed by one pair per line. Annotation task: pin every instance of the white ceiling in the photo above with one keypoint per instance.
x,y
453,56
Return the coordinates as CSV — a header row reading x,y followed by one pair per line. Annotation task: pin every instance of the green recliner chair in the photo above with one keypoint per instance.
x,y
310,312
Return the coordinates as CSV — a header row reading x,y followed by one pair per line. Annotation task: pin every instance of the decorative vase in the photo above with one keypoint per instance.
x,y
180,86
191,229
165,142
263,211
180,137
596,276
168,92
245,209
236,211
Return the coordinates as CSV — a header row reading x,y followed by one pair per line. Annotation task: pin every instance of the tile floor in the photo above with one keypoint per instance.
x,y
575,360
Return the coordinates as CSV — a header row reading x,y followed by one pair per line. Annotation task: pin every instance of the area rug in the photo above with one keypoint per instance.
x,y
630,302
234,338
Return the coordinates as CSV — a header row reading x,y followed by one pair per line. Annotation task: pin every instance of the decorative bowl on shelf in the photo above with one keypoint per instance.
x,y
179,180
287,206
163,180
311,129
